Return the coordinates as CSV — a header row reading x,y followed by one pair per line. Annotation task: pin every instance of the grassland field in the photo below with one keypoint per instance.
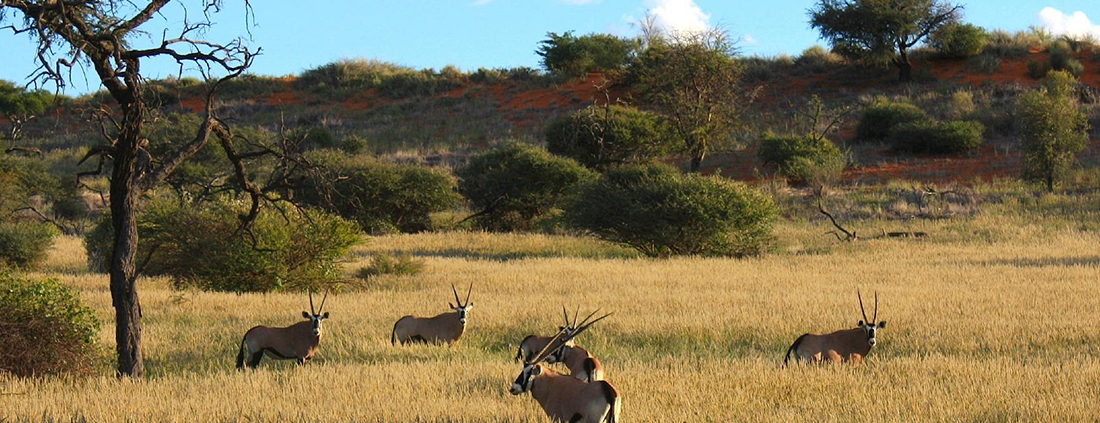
x,y
992,318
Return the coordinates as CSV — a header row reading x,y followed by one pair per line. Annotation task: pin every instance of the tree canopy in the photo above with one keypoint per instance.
x,y
880,31
572,56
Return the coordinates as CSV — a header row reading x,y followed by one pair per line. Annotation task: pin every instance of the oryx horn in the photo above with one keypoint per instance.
x,y
861,310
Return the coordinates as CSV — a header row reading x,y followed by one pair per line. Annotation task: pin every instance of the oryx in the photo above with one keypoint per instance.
x,y
843,345
581,364
532,344
299,341
565,398
444,328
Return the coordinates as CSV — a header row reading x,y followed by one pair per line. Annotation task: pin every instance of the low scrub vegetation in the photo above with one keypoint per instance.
x,y
959,40
803,159
929,137
206,247
397,265
24,245
880,118
381,197
357,75
512,187
46,329
661,212
599,137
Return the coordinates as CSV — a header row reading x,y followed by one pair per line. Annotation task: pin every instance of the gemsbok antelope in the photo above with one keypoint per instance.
x,y
565,398
299,341
532,344
444,328
844,345
581,363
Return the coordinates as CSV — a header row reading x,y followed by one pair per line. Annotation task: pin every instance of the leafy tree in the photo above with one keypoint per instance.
x,y
602,136
693,80
660,212
958,40
880,31
20,106
110,37
1053,128
513,186
571,56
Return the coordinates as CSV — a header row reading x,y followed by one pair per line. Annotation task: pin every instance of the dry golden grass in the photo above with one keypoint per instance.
x,y
978,331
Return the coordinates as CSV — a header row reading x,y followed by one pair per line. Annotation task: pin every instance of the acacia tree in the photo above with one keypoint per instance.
x,y
20,106
880,30
693,80
1053,128
104,35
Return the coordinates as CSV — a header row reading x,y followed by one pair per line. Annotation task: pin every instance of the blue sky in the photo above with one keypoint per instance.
x,y
504,33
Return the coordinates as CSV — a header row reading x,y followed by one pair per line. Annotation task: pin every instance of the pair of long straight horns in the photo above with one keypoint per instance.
x,y
318,311
567,334
873,319
459,302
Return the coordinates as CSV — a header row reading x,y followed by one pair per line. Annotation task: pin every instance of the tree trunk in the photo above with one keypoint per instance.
x,y
1050,182
696,162
905,68
124,198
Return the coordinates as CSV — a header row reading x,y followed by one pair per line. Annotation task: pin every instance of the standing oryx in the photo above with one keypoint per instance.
x,y
444,328
298,341
582,364
566,398
532,344
844,345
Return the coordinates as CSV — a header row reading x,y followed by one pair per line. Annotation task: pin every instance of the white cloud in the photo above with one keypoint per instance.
x,y
678,15
749,39
1075,25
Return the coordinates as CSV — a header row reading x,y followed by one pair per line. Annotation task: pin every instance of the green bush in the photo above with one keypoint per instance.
x,y
354,145
803,159
570,56
25,245
926,137
1054,128
598,136
384,264
513,186
660,212
959,40
1037,69
816,59
381,197
46,329
291,250
883,115
356,75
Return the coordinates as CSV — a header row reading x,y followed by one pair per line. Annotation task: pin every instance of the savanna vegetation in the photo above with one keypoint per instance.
x,y
720,205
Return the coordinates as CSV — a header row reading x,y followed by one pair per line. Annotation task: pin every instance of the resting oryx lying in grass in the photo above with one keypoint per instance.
x,y
844,345
532,344
298,341
444,328
565,398
582,364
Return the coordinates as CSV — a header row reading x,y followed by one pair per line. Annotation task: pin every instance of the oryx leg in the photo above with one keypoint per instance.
x,y
301,361
834,357
254,359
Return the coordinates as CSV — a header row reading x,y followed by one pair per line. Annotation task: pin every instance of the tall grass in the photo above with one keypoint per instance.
x,y
980,330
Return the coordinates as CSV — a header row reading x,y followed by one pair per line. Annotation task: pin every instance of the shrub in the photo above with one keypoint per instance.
x,y
570,56
203,247
46,329
381,197
960,104
816,59
1037,69
986,63
1061,59
25,245
598,137
353,144
384,264
513,186
355,75
803,159
959,40
660,212
926,137
1053,128
883,115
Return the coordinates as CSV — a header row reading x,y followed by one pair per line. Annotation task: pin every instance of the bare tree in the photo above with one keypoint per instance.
x,y
105,35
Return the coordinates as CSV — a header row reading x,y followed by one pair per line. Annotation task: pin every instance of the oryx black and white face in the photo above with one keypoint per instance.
x,y
315,319
523,381
462,307
872,330
872,325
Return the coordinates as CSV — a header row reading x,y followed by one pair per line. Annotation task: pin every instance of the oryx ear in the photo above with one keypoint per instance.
x,y
452,305
469,306
561,327
860,324
306,314
325,316
537,370
882,324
